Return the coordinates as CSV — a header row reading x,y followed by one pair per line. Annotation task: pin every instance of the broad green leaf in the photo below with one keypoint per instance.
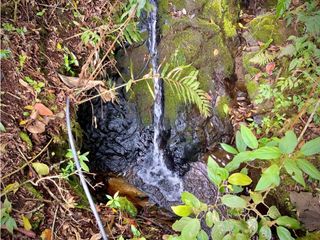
x,y
266,153
265,233
26,223
284,234
270,177
312,147
190,200
220,229
12,187
256,197
41,168
11,224
288,222
248,137
202,235
308,168
238,159
233,201
241,145
239,179
273,212
182,210
229,148
181,223
212,217
282,6
294,171
26,139
288,143
216,174
191,230
252,226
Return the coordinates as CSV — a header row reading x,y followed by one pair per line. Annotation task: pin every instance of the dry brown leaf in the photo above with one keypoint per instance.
x,y
42,109
37,127
75,82
46,234
96,237
269,68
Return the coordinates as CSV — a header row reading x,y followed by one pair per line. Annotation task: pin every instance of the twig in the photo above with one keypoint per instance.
x,y
54,222
29,234
309,120
27,163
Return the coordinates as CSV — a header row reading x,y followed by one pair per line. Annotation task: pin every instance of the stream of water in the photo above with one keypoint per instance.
x,y
156,172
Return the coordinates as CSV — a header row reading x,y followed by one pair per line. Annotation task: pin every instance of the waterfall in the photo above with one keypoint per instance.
x,y
157,173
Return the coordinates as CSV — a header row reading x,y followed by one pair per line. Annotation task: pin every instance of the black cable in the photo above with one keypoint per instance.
x,y
81,176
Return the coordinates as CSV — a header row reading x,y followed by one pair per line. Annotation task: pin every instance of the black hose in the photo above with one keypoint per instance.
x,y
81,176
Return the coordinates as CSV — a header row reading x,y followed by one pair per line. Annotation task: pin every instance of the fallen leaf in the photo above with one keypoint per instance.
x,y
96,237
46,234
26,223
42,109
37,127
215,52
12,187
41,168
270,67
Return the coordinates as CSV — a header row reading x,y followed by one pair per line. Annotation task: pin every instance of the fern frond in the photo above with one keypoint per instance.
x,y
184,82
262,58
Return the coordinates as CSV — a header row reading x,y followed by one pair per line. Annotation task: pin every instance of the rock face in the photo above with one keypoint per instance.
x,y
119,135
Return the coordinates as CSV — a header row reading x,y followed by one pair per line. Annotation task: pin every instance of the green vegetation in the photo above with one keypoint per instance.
x,y
243,219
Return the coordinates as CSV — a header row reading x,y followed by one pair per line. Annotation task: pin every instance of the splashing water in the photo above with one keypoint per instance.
x,y
157,173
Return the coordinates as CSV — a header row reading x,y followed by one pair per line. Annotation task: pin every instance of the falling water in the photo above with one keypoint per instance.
x,y
157,173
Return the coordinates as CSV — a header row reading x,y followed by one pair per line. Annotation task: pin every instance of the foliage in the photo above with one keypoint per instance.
x,y
243,219
122,204
70,168
6,219
297,84
5,53
36,85
70,61
12,29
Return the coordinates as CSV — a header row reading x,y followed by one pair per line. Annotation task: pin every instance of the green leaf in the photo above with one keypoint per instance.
x,y
216,174
229,148
270,177
2,128
190,200
308,168
282,6
239,179
220,229
182,210
180,224
238,159
41,168
241,145
202,235
252,226
256,197
284,234
312,147
26,139
212,217
191,230
273,212
248,137
288,143
233,201
128,85
26,223
294,171
11,224
265,233
266,153
288,222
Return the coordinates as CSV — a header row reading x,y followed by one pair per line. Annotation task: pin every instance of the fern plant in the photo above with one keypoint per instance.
x,y
262,58
183,81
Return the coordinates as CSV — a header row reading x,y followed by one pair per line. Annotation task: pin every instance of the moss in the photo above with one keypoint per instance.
x,y
229,28
221,102
212,10
252,87
311,236
267,26
249,66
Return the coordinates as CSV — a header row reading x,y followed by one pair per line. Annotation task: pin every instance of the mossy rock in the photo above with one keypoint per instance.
x,y
267,26
311,236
